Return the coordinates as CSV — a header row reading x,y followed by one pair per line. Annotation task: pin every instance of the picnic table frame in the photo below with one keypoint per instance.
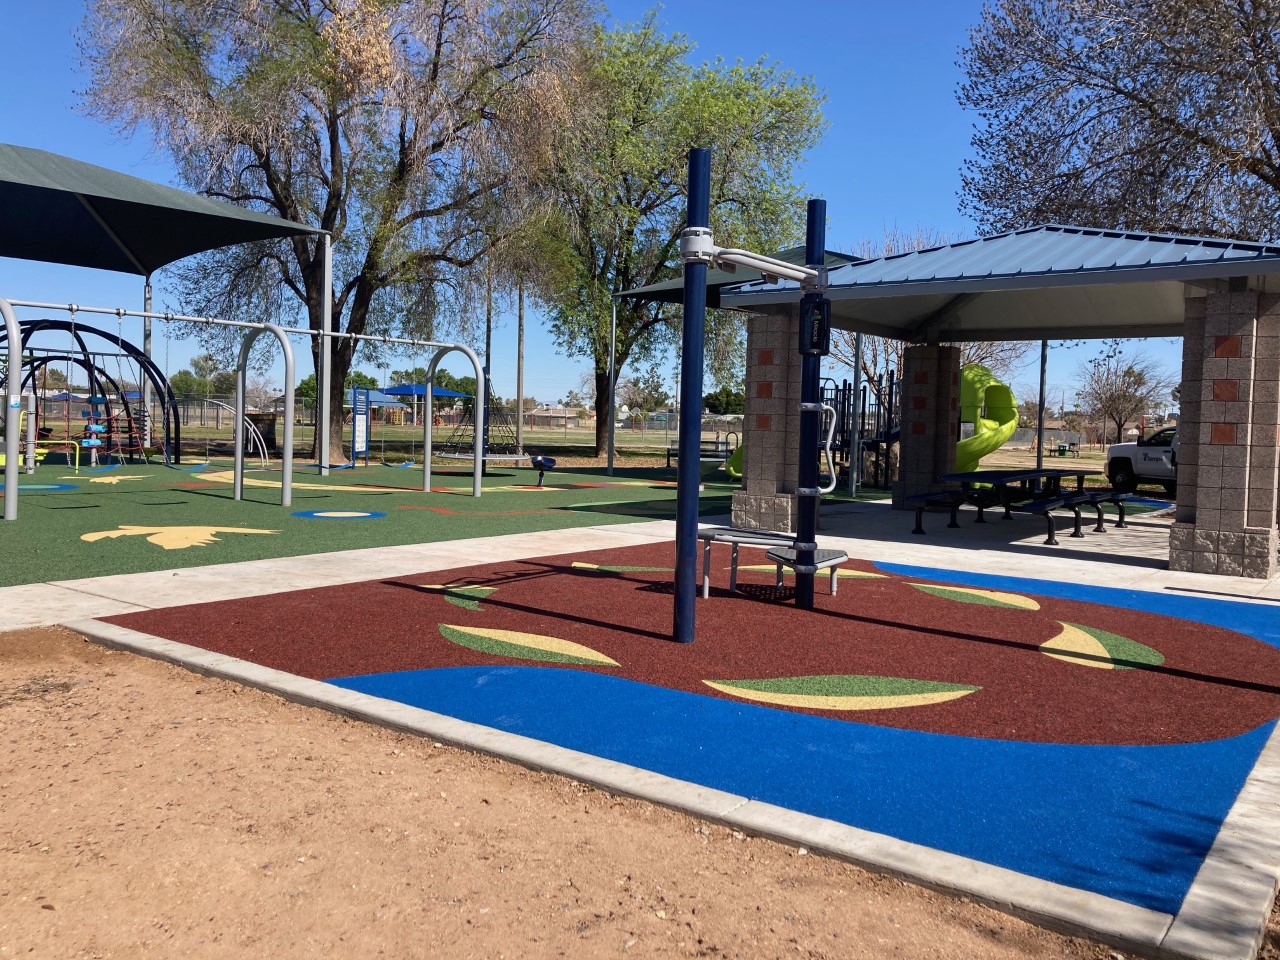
x,y
1038,491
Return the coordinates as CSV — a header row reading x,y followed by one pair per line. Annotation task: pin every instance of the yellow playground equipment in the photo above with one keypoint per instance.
x,y
990,406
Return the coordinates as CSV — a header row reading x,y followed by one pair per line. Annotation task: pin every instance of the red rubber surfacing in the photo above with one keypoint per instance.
x,y
1213,682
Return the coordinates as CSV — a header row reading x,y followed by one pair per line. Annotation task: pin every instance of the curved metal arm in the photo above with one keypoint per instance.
x,y
12,409
478,407
829,412
286,455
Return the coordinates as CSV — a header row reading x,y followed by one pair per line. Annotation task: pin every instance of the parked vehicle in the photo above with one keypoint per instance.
x,y
1152,459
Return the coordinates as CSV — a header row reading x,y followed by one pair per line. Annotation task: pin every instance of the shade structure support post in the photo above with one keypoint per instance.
x,y
698,228
478,404
242,376
146,349
855,441
613,376
519,369
1044,366
814,342
12,409
325,374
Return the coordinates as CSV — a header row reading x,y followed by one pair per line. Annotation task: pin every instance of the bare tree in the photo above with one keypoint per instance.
x,y
1121,384
404,128
881,354
1131,114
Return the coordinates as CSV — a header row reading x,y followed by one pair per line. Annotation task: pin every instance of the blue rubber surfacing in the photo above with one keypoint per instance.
x,y
1129,822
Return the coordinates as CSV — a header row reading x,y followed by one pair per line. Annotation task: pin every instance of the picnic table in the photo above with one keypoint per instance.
x,y
1036,491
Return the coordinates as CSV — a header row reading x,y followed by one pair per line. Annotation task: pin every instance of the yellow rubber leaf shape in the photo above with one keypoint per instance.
x,y
1092,647
171,538
842,573
462,595
113,479
615,568
987,598
844,691
524,646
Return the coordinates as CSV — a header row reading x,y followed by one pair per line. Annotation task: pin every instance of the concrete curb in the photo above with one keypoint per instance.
x,y
1223,917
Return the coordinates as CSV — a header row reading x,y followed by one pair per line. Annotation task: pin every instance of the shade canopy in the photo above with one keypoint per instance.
x,y
420,390
1043,282
672,291
59,210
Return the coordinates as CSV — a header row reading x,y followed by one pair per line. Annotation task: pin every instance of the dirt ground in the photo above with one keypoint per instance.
x,y
150,812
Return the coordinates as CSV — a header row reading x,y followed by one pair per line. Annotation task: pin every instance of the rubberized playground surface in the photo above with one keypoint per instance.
x,y
1088,737
128,518
1091,741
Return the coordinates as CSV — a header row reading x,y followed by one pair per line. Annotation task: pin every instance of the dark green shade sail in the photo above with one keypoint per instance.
x,y
58,210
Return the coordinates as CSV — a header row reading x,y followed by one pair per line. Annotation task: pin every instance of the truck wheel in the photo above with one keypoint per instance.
x,y
1122,477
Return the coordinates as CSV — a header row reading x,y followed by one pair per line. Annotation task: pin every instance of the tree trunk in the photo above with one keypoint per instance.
x,y
602,410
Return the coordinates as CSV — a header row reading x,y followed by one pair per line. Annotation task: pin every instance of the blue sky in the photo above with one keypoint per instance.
x,y
890,160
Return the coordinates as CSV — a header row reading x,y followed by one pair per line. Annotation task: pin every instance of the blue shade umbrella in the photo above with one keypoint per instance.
x,y
420,390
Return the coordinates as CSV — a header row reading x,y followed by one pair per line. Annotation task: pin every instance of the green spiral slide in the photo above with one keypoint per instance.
x,y
990,406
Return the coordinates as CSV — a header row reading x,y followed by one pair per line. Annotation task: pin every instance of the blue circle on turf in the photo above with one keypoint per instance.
x,y
338,515
44,487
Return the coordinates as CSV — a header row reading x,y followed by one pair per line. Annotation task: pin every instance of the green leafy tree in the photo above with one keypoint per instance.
x,y
358,378
184,383
223,384
1132,114
306,388
619,190
406,129
725,400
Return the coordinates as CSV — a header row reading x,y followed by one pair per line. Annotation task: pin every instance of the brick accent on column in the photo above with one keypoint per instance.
x,y
770,427
1227,459
931,396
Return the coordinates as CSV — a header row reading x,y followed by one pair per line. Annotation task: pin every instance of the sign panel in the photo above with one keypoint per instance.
x,y
360,423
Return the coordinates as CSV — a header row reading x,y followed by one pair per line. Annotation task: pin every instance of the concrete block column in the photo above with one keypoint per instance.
x,y
770,427
1229,433
930,395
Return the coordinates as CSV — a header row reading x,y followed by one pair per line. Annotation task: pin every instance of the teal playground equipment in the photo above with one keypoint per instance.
x,y
991,407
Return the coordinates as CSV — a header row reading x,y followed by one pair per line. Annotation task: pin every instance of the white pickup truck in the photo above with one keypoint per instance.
x,y
1153,459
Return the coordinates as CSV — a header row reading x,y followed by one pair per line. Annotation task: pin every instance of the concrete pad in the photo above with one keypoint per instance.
x,y
40,604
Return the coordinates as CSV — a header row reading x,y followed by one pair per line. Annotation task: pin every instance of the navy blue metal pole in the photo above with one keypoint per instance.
x,y
695,313
815,242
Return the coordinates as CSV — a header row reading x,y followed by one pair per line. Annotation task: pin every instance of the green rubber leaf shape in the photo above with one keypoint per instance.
x,y
524,646
844,691
1092,647
986,598
462,595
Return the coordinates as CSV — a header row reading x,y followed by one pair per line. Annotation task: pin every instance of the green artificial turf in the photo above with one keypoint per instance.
x,y
46,541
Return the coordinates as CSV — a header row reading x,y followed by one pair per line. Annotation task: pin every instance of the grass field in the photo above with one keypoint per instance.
x,y
131,518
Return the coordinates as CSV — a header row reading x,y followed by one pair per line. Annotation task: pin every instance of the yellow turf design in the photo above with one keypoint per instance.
x,y
842,574
112,479
816,701
171,538
525,646
990,598
1093,647
228,476
465,595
